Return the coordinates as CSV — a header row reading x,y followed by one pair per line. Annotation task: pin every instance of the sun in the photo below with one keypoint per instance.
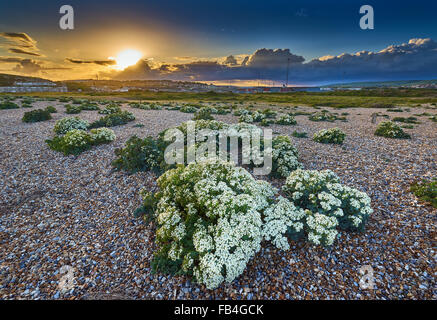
x,y
126,58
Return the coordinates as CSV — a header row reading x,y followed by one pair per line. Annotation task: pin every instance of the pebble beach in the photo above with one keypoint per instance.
x,y
76,211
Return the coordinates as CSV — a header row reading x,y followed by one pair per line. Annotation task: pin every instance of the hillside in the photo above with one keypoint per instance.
x,y
9,79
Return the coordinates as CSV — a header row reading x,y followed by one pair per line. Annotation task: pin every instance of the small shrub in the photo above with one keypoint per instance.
x,y
284,157
258,116
89,106
322,116
266,122
8,105
412,120
268,113
390,129
203,114
299,134
426,191
246,118
111,109
102,135
69,109
286,119
51,109
333,135
73,142
36,116
141,155
327,204
188,109
113,119
66,124
77,141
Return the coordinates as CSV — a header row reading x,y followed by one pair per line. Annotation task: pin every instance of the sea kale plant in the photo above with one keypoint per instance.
x,y
113,119
110,109
389,129
66,124
36,115
284,157
76,141
141,155
209,219
333,135
102,135
286,119
72,109
328,206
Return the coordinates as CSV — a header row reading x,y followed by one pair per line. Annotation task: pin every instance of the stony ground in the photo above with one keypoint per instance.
x,y
60,211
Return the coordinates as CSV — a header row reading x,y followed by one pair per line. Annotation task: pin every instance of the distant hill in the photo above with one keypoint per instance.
x,y
384,84
7,80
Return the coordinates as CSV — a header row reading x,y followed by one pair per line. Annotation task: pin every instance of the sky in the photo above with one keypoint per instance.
x,y
221,41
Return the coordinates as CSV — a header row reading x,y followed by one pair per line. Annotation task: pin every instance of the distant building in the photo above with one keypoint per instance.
x,y
45,86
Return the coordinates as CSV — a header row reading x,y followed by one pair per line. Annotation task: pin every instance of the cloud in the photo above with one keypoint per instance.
x,y
22,51
269,58
98,62
28,66
416,59
231,61
20,43
19,37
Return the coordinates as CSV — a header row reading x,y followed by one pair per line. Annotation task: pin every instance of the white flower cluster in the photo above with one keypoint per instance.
x,y
76,138
284,153
246,118
285,156
392,130
278,218
66,124
327,203
286,119
222,206
102,135
333,135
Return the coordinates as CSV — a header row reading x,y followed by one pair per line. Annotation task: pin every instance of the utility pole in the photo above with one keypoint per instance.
x,y
288,65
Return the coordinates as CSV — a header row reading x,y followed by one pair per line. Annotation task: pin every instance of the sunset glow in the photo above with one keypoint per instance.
x,y
126,58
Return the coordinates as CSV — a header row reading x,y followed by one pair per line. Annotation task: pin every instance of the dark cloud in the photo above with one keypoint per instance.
x,y
416,59
231,61
28,66
269,58
19,37
11,59
22,51
98,62
21,43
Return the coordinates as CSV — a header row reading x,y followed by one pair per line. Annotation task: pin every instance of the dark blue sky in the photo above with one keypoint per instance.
x,y
170,31
309,28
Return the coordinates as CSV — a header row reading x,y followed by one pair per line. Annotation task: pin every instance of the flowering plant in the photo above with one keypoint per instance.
x,y
327,204
286,119
66,124
102,135
390,129
333,135
209,217
284,157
